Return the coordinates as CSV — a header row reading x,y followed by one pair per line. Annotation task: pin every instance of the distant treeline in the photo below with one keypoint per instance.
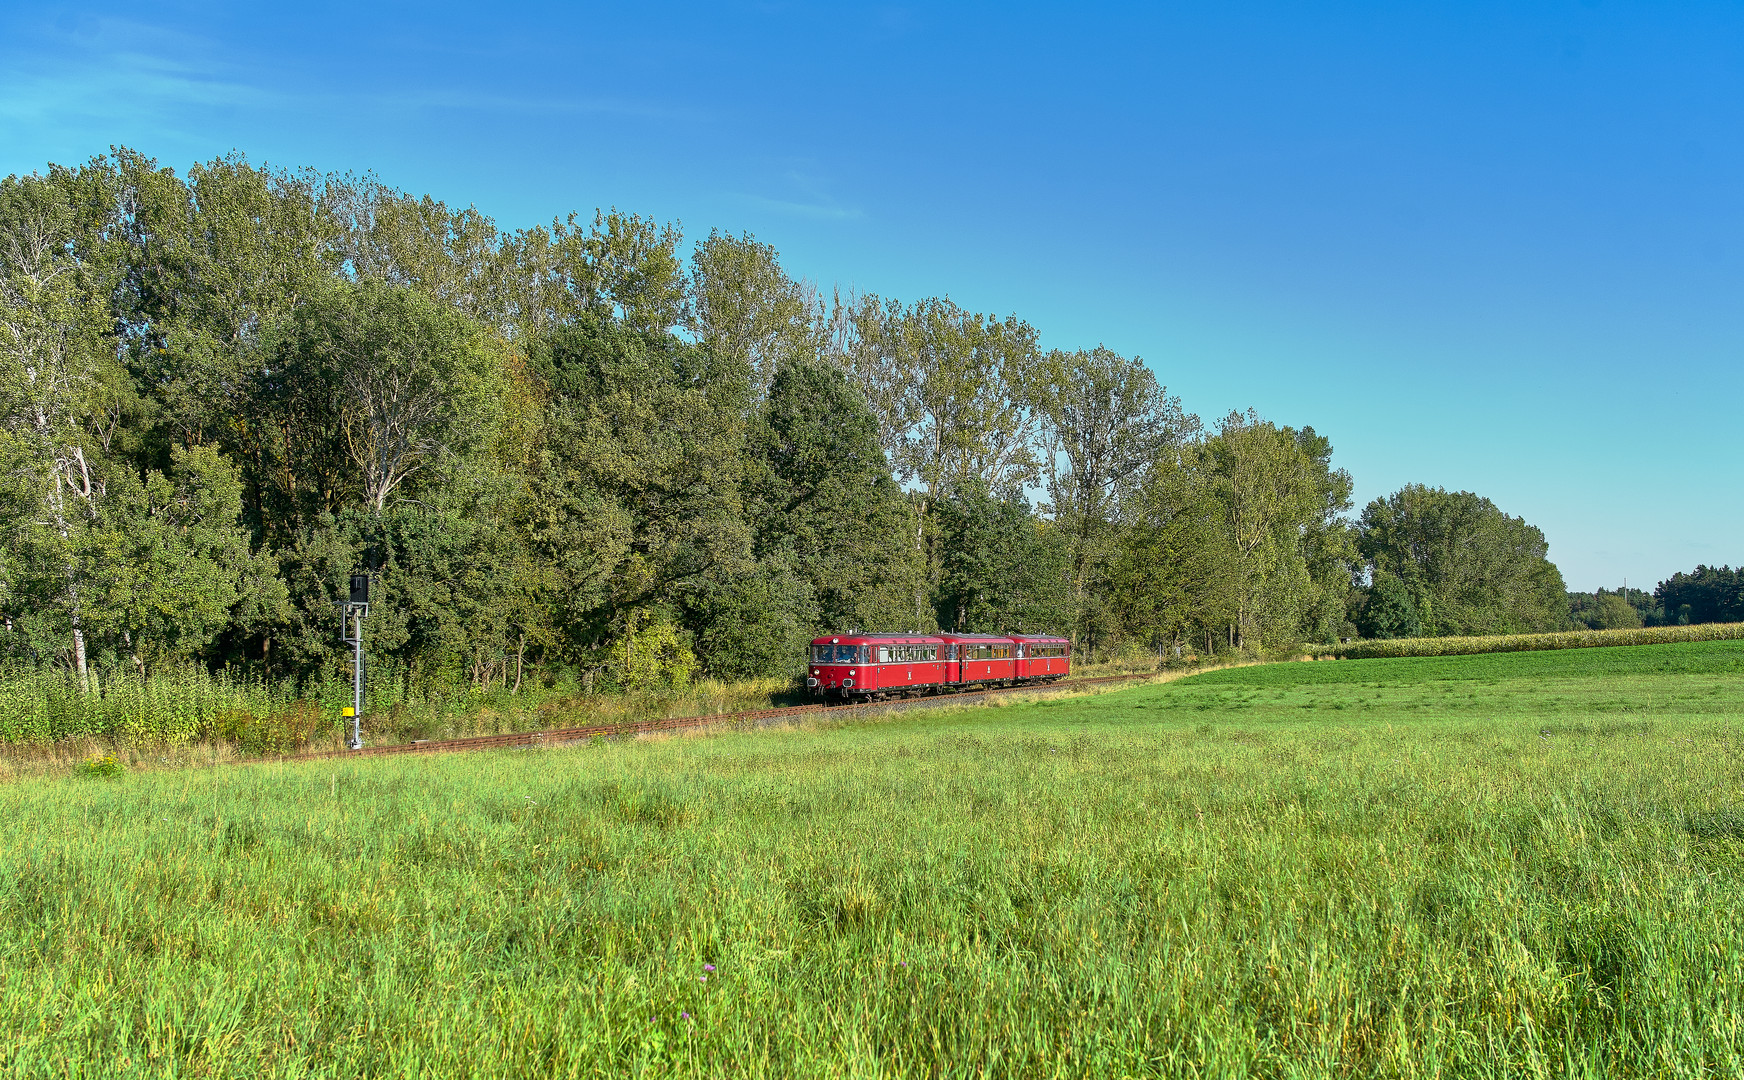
x,y
1707,594
588,451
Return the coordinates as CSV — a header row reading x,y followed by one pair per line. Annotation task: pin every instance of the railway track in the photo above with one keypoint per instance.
x,y
745,718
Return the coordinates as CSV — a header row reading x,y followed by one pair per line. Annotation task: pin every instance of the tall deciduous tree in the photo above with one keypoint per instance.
x,y
1105,419
1001,568
642,471
971,375
1282,503
863,337
1239,537
51,354
417,381
821,490
745,307
1175,578
168,564
1470,568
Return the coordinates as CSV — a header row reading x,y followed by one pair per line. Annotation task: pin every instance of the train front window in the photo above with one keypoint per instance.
x,y
835,654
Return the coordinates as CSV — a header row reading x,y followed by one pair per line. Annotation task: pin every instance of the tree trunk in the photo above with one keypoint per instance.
x,y
60,519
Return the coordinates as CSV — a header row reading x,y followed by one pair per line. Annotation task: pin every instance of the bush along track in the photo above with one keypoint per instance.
x,y
1578,639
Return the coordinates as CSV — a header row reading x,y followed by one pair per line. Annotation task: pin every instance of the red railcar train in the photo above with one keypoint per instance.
x,y
877,666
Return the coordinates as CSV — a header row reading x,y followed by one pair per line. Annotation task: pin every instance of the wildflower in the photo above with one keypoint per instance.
x,y
684,1016
702,978
708,967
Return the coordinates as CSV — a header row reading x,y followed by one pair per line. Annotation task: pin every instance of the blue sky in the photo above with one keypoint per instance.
x,y
1497,247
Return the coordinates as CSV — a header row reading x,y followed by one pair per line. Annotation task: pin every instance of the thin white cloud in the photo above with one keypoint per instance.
x,y
813,210
810,199
117,79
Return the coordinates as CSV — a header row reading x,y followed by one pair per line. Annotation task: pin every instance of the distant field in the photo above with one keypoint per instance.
x,y
1366,648
1514,864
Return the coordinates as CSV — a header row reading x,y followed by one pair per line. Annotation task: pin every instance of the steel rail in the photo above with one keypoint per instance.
x,y
758,717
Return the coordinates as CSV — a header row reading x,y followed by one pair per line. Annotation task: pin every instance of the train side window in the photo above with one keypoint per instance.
x,y
883,654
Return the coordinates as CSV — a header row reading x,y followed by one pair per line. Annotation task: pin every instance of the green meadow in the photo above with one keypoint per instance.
x,y
1519,864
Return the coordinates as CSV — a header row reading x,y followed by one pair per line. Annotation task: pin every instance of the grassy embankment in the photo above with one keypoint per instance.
x,y
184,716
1518,864
188,715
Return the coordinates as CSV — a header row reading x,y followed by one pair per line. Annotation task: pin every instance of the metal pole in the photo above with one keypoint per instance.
x,y
357,680
351,614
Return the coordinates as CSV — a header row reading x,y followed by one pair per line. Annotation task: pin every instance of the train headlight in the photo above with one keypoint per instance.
x,y
850,671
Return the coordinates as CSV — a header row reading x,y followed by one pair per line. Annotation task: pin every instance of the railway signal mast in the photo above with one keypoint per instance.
x,y
351,613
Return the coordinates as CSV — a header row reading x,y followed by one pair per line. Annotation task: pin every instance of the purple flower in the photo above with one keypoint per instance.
x,y
708,967
684,1016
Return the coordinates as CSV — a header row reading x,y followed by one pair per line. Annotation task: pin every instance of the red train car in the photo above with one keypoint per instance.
x,y
1042,658
876,666
981,658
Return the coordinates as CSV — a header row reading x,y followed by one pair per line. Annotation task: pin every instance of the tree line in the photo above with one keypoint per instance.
x,y
1707,594
588,451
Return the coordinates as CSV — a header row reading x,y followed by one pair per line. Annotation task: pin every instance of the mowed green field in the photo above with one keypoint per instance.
x,y
1505,865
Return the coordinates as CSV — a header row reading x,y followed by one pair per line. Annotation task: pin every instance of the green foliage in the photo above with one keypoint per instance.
x,y
651,654
1388,610
1106,420
821,494
1497,865
284,730
1000,570
173,704
758,625
1604,610
1707,594
167,566
1470,568
1237,541
102,766
746,308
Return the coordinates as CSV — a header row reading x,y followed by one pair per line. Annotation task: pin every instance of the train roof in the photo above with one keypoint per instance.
x,y
912,637
862,638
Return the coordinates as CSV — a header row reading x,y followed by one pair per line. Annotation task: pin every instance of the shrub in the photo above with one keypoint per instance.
x,y
281,731
103,765
170,706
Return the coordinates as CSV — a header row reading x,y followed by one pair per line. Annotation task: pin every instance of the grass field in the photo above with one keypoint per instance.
x,y
1519,864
